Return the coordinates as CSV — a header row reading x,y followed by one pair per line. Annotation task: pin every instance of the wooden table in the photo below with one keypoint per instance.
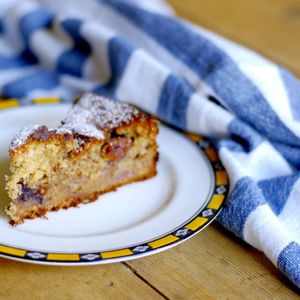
x,y
214,264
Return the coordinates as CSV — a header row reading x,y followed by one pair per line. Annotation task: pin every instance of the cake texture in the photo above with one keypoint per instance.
x,y
100,145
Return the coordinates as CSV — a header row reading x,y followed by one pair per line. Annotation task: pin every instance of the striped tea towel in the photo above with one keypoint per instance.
x,y
140,52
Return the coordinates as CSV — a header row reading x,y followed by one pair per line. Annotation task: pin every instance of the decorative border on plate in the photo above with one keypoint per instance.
x,y
193,226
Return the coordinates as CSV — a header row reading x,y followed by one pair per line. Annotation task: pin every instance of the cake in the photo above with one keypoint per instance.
x,y
100,145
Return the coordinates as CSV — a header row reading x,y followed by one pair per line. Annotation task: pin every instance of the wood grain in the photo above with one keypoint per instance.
x,y
214,264
115,281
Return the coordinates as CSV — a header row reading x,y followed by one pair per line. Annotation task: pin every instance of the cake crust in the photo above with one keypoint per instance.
x,y
92,116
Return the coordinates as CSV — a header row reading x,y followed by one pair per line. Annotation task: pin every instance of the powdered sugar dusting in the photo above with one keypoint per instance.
x,y
90,116
80,120
105,113
22,136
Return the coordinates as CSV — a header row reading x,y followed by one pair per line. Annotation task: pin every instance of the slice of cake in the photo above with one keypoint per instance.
x,y
100,145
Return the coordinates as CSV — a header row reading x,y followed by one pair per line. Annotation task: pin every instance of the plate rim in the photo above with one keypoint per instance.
x,y
189,228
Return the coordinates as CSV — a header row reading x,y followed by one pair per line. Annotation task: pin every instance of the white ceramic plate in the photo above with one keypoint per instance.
x,y
137,220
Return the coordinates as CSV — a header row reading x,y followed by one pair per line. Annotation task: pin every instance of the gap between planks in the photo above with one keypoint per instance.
x,y
136,273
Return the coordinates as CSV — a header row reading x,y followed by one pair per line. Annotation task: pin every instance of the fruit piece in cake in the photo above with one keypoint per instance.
x,y
100,145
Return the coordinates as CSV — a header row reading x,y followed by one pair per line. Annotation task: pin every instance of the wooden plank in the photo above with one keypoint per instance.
x,y
271,27
115,281
214,265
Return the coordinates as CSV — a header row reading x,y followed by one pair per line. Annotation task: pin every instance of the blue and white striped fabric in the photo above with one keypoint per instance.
x,y
138,51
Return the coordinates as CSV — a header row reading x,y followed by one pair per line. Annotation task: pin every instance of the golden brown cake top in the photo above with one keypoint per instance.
x,y
90,116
